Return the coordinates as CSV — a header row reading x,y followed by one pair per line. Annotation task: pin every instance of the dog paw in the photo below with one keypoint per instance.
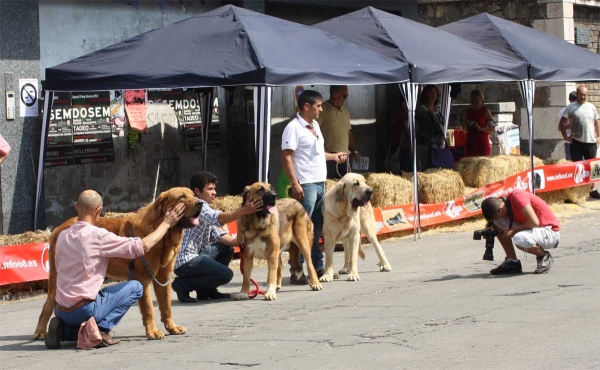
x,y
353,276
39,335
385,267
155,335
326,278
177,330
270,296
316,286
278,287
241,296
343,271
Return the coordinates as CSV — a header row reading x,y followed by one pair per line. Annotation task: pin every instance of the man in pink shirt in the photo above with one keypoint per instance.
x,y
526,220
81,263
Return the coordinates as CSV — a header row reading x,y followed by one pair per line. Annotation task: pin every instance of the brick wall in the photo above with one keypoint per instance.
x,y
589,17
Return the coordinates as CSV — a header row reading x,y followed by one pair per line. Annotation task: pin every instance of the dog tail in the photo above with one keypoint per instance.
x,y
361,252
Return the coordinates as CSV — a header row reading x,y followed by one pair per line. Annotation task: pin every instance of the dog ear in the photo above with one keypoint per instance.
x,y
160,204
339,193
245,195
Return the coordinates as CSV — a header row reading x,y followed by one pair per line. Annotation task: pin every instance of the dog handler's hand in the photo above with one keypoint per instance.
x,y
174,214
252,206
297,192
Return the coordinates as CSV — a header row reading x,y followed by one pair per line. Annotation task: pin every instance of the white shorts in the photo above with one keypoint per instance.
x,y
543,237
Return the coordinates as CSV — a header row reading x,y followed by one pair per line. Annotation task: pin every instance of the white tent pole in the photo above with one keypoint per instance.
x,y
528,94
262,129
410,94
446,103
48,98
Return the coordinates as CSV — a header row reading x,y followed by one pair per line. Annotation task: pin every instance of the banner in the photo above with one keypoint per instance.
x,y
59,145
92,134
29,262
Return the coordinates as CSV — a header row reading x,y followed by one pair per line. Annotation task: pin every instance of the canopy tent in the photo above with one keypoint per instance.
x,y
227,46
549,58
434,56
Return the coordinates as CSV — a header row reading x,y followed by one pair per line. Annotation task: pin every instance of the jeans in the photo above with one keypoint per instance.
x,y
207,271
108,309
313,205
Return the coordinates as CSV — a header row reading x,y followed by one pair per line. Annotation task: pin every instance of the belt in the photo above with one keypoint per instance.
x,y
75,306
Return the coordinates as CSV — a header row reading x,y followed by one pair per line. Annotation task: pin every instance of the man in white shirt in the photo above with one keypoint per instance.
x,y
565,129
304,161
585,130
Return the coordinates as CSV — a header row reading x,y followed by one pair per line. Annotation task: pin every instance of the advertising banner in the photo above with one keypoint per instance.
x,y
59,145
92,135
22,263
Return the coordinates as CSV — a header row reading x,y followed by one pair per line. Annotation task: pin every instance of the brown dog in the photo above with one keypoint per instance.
x,y
282,225
160,259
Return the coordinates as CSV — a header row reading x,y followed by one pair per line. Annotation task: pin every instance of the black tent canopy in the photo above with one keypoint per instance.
x,y
550,58
227,46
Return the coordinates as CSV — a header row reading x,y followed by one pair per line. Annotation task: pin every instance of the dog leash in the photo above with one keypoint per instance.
x,y
348,168
147,268
254,292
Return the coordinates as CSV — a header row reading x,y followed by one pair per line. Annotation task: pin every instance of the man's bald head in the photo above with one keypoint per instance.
x,y
89,200
582,92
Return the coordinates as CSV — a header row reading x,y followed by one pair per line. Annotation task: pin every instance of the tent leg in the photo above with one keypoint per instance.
x,y
48,98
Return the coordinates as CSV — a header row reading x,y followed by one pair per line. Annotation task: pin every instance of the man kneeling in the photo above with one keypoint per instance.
x,y
82,255
526,220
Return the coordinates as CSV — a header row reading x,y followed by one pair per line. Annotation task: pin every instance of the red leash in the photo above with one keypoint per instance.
x,y
254,292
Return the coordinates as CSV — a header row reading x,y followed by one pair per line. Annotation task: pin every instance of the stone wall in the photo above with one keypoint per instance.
x,y
589,17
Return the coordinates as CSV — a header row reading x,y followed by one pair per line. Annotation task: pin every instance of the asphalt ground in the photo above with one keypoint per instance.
x,y
439,308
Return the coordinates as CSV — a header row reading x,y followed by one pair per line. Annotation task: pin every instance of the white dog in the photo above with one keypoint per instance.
x,y
347,213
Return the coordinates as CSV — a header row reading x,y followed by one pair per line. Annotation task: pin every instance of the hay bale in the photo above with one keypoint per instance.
x,y
389,190
492,169
39,236
118,214
467,168
227,203
438,185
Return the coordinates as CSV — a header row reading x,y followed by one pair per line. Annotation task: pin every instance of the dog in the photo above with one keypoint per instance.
x,y
347,213
281,225
160,259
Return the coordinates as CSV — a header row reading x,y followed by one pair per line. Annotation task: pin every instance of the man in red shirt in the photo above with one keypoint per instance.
x,y
526,220
81,263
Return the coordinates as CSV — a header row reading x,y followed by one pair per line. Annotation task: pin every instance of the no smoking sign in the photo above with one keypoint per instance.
x,y
28,93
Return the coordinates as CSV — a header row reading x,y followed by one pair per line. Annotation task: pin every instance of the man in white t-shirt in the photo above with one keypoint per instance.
x,y
585,130
565,129
304,161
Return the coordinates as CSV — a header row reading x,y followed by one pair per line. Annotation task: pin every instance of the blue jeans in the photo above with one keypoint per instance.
x,y
108,309
313,205
207,271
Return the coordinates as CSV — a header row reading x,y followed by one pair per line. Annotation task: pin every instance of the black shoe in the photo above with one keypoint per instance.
x,y
544,263
302,280
320,273
211,294
56,332
182,295
594,194
508,267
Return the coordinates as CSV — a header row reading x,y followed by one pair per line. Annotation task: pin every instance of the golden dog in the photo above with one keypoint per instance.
x,y
282,224
160,259
347,212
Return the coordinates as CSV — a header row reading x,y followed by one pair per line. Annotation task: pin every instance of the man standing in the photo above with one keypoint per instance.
x,y
565,129
334,123
81,263
585,130
206,250
526,220
304,161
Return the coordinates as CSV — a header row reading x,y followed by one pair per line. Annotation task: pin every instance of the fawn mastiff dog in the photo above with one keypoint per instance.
x,y
347,212
281,225
160,259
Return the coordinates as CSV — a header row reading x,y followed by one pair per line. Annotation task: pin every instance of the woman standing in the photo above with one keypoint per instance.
x,y
429,127
479,126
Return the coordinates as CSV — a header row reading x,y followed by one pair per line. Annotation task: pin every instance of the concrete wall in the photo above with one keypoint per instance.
x,y
19,59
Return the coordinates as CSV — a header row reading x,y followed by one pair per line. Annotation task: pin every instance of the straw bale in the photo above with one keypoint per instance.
x,y
438,185
492,169
227,203
467,168
330,183
118,214
39,236
389,190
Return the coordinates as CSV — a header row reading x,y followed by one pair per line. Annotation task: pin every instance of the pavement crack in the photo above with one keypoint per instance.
x,y
237,364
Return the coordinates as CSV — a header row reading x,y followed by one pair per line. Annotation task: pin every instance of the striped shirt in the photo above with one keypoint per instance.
x,y
197,238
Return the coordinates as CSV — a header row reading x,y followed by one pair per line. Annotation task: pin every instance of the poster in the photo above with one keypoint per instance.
x,y
28,97
92,134
59,145
509,140
135,106
117,110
